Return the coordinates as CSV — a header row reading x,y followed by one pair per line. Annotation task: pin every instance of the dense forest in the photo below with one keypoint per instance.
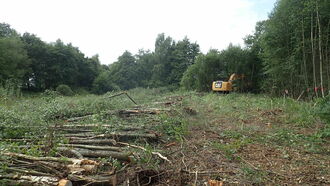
x,y
288,53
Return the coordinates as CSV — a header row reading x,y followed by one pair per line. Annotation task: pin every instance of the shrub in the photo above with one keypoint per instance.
x,y
103,84
64,90
323,109
12,88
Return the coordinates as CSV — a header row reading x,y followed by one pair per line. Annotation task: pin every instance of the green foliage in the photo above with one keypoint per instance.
x,y
14,61
6,31
174,126
11,89
64,90
102,84
219,66
323,109
291,44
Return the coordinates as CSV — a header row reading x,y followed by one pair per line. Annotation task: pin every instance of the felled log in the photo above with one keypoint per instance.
x,y
26,171
82,126
90,127
97,179
137,111
55,159
93,141
122,136
73,130
79,118
104,154
16,179
69,151
92,147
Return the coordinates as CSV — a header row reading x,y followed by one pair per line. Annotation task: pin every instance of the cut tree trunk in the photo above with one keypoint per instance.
x,y
92,147
104,154
115,135
93,141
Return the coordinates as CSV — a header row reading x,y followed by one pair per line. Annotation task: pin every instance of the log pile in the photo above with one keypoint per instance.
x,y
77,155
29,170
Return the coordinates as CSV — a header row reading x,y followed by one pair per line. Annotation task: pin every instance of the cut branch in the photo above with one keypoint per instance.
x,y
144,149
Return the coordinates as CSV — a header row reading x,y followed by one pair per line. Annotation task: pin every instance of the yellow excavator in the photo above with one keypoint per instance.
x,y
226,86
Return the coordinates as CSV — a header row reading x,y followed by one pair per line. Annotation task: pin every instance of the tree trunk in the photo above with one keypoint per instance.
x,y
304,54
327,53
320,49
313,57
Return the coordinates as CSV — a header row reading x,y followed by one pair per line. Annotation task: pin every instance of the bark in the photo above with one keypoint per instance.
x,y
320,49
79,118
29,180
93,141
115,135
26,171
69,151
304,55
55,159
89,127
95,180
92,147
81,126
313,57
327,53
104,154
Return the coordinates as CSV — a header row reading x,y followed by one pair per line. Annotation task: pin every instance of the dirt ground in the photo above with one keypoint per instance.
x,y
245,159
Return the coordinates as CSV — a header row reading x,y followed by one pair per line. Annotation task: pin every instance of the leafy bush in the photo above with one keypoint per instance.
x,y
323,109
11,88
64,90
103,84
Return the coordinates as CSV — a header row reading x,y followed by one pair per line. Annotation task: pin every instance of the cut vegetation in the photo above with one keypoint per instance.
x,y
173,138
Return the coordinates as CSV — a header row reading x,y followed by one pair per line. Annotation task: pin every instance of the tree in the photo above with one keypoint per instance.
x,y
208,68
163,57
184,55
295,49
6,31
14,61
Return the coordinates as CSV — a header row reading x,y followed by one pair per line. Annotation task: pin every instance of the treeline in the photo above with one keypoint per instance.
x,y
293,45
287,54
36,66
162,67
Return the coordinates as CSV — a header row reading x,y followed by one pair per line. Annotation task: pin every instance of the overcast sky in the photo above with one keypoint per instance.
x,y
109,27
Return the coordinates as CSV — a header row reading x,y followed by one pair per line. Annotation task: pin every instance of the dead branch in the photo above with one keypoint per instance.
x,y
122,94
144,149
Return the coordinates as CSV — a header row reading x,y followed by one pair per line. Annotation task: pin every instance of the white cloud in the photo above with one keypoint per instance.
x,y
109,27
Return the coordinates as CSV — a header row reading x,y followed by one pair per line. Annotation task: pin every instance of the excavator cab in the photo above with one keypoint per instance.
x,y
225,86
